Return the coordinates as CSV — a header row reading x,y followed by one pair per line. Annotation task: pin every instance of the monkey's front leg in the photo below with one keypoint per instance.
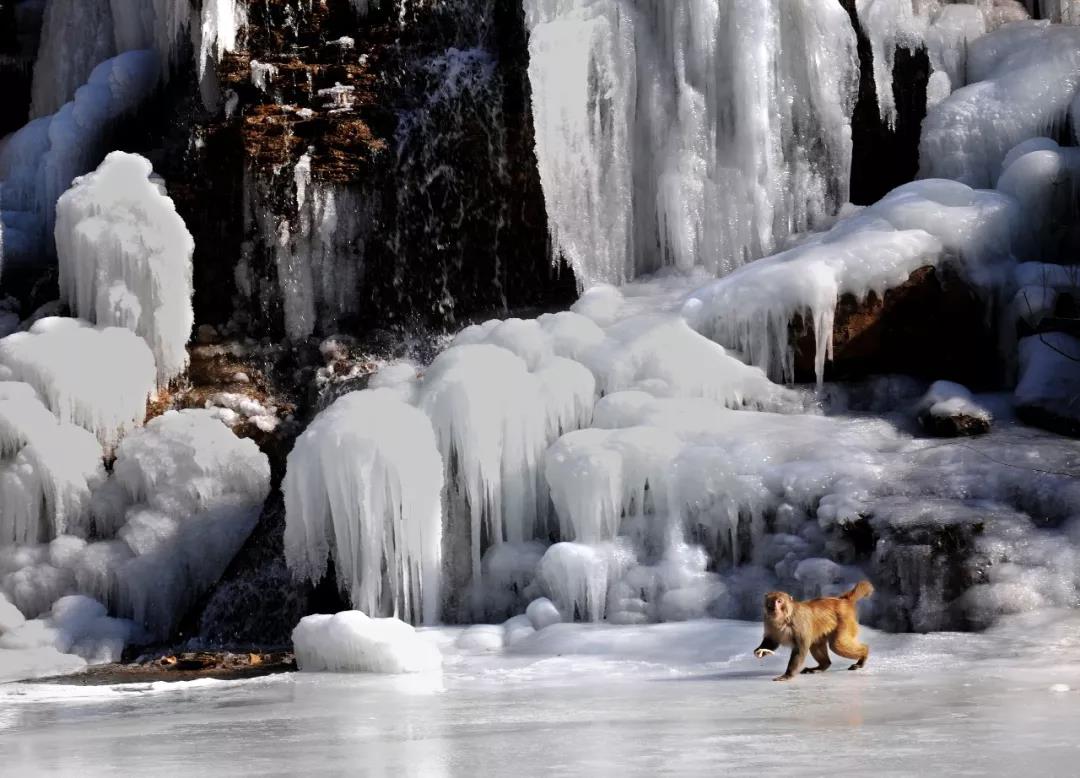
x,y
768,646
794,665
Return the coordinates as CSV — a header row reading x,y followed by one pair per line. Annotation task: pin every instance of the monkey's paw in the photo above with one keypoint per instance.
x,y
761,653
783,678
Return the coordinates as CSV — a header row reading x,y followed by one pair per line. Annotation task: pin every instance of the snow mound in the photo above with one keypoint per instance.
x,y
125,257
350,641
364,483
96,377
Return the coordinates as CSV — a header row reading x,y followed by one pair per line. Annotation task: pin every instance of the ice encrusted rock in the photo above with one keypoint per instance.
x,y
125,257
1022,79
96,377
1048,392
920,224
542,613
350,641
48,469
364,483
948,410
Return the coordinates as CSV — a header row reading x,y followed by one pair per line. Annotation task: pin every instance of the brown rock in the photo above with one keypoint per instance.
x,y
931,326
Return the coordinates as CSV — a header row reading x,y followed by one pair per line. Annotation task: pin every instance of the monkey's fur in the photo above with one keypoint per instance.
x,y
814,626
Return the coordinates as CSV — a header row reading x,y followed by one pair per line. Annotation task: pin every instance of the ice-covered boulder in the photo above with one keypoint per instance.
x,y
1022,79
48,469
949,410
351,641
1048,392
96,377
125,257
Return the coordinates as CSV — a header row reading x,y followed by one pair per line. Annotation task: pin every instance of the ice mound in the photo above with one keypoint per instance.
x,y
1044,178
1039,286
1049,384
10,616
919,224
1022,79
542,613
350,641
125,257
183,496
364,483
75,625
96,377
48,469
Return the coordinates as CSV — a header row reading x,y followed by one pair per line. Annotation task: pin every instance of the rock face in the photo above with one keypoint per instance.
x,y
931,326
367,170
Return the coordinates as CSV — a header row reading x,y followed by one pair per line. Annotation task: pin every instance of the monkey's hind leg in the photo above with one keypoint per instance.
x,y
850,648
820,652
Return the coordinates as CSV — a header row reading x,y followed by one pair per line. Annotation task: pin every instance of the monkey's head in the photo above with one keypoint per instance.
x,y
778,606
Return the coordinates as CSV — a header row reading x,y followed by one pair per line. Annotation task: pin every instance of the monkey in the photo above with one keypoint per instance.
x,y
814,626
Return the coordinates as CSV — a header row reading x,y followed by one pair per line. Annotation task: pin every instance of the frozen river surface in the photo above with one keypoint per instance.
x,y
680,699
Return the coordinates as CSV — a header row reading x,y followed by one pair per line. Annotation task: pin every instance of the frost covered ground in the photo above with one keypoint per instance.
x,y
580,699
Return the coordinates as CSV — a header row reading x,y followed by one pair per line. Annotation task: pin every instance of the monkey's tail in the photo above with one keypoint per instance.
x,y
862,589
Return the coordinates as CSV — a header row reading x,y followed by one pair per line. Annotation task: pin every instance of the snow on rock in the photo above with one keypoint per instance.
x,y
350,641
949,409
1022,80
919,224
96,377
125,257
654,127
364,483
48,469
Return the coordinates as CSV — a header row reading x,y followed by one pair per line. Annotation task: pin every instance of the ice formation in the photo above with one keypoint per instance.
x,y
40,160
183,495
1022,79
125,257
75,625
48,469
96,377
923,223
350,641
364,482
655,127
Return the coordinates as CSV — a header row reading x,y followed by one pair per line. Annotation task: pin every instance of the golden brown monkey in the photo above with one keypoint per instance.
x,y
814,626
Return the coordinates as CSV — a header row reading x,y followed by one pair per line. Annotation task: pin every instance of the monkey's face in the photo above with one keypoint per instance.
x,y
778,606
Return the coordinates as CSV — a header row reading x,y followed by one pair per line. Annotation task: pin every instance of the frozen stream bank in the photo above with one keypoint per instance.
x,y
581,699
